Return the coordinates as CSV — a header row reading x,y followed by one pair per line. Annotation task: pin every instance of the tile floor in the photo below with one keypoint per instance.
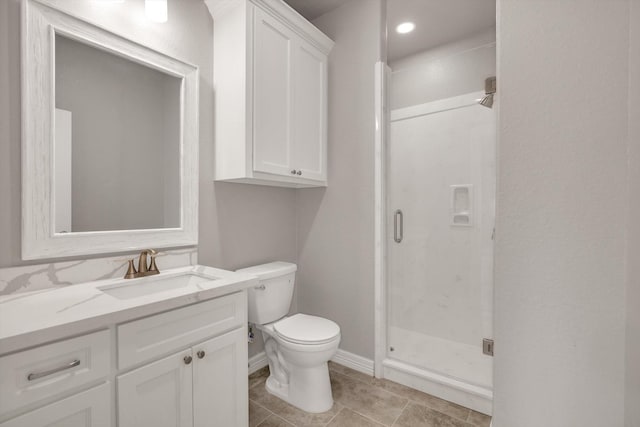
x,y
360,401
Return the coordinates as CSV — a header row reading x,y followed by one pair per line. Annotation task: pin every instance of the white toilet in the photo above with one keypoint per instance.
x,y
298,347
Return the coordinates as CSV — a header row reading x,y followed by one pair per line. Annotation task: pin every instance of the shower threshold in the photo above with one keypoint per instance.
x,y
469,395
455,359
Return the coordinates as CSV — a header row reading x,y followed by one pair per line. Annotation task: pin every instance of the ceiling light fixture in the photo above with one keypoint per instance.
x,y
156,10
405,27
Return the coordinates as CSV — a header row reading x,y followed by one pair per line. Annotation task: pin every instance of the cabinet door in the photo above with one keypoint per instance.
x,y
91,408
220,389
158,394
310,111
272,95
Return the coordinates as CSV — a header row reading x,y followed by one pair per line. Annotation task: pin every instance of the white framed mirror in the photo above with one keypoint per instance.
x,y
109,141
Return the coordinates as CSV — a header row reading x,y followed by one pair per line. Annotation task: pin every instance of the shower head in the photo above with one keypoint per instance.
x,y
489,89
487,100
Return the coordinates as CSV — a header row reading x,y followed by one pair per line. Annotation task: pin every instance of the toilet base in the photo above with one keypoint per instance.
x,y
309,388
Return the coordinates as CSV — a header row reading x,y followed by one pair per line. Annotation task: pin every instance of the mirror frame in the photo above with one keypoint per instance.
x,y
40,24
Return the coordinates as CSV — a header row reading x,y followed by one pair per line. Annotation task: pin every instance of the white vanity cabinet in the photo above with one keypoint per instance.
x,y
270,86
55,374
158,394
220,387
183,367
202,385
91,408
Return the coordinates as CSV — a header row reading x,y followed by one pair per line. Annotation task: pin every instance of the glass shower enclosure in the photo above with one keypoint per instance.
x,y
440,197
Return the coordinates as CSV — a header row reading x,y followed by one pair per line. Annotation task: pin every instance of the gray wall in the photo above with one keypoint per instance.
x,y
335,225
633,256
561,214
240,225
449,70
126,134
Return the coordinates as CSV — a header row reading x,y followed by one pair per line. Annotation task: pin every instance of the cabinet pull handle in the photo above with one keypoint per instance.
x,y
201,354
293,172
299,173
36,375
187,360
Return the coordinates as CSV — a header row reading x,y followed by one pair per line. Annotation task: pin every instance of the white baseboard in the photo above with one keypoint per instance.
x,y
257,362
353,361
344,358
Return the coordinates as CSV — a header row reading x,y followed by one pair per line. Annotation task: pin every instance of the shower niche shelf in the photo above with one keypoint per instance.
x,y
462,205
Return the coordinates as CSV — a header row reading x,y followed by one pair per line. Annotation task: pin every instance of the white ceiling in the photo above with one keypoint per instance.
x,y
311,9
437,21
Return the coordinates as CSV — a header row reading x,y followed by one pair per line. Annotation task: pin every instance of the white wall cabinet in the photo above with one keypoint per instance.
x,y
270,85
185,367
272,95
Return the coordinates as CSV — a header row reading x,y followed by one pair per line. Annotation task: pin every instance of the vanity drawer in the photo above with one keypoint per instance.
x,y
159,335
88,408
48,370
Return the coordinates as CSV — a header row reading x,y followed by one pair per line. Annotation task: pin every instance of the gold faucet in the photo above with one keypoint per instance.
x,y
144,269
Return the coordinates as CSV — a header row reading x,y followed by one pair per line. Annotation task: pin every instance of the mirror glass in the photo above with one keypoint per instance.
x,y
117,142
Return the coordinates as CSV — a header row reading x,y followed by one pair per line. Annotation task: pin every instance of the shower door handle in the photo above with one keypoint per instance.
x,y
398,226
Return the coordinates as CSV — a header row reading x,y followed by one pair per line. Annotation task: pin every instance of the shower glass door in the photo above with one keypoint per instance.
x,y
440,217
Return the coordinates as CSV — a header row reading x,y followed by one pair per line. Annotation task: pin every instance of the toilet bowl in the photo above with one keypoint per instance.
x,y
298,363
298,347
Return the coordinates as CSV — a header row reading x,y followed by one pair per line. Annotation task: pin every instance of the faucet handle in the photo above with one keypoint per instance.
x,y
131,271
153,268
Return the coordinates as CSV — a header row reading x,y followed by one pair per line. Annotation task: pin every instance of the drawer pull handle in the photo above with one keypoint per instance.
x,y
187,360
200,354
37,375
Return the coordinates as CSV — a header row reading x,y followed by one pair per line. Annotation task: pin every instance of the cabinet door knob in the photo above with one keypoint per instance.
x,y
200,354
187,360
299,173
293,172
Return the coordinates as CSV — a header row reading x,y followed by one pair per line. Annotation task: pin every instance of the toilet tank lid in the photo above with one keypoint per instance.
x,y
270,270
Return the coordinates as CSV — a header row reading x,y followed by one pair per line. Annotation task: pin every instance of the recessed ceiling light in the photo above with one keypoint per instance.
x,y
156,10
405,27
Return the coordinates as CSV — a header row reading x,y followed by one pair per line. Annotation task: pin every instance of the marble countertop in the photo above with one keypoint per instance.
x,y
33,318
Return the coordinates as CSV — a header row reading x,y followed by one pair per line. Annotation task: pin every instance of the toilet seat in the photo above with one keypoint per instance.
x,y
306,329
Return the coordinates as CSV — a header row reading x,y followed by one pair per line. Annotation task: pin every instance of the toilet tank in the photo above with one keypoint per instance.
x,y
271,298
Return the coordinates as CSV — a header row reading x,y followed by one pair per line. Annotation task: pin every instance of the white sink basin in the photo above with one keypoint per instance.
x,y
135,288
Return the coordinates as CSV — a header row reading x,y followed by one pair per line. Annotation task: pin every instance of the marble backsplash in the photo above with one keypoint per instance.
x,y
15,280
